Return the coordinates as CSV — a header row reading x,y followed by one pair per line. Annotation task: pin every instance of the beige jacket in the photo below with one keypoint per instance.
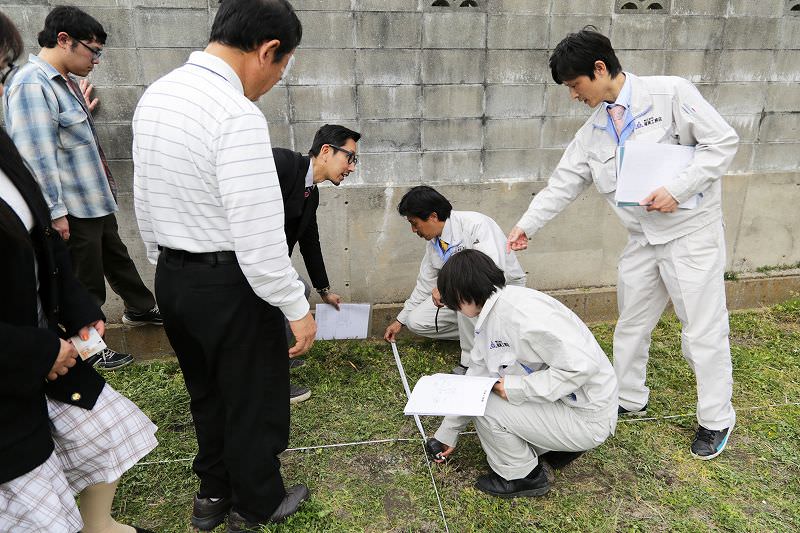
x,y
665,109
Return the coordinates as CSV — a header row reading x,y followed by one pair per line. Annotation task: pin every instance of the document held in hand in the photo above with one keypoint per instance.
x,y
643,167
450,395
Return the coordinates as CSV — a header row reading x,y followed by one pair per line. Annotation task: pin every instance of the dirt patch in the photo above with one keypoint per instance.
x,y
397,505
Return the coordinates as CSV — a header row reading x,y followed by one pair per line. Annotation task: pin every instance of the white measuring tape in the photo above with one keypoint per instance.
x,y
408,390
421,431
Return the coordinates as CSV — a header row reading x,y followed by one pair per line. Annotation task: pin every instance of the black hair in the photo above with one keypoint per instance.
x,y
77,23
246,24
576,54
422,201
332,134
11,45
469,276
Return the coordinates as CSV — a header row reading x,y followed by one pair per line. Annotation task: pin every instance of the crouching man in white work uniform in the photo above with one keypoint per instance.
x,y
671,252
432,218
556,390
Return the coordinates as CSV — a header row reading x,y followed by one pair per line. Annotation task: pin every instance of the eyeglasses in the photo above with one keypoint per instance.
x,y
352,158
96,52
10,68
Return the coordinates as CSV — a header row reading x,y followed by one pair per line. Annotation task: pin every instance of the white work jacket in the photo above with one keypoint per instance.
x,y
544,352
463,230
664,109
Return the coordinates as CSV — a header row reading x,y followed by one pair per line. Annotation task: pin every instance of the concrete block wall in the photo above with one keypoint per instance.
x,y
462,98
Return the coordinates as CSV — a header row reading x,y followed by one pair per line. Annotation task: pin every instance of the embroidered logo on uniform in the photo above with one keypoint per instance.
x,y
648,122
476,242
499,344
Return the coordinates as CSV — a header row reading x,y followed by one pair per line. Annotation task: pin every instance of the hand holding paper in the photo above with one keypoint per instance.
x,y
92,343
644,170
661,200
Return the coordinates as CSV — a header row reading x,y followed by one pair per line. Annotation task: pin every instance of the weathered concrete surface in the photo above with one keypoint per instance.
x,y
462,99
592,305
372,256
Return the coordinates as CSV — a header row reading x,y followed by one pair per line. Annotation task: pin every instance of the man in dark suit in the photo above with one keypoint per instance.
x,y
333,155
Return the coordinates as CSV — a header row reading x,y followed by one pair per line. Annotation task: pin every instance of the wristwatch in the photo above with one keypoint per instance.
x,y
323,291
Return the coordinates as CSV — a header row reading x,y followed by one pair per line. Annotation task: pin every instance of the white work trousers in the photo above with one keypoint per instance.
x,y
451,326
689,270
513,436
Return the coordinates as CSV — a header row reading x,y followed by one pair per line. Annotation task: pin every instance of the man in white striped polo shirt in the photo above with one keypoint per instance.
x,y
210,213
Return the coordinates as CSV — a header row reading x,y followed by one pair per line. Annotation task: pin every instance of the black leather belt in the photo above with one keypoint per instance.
x,y
207,258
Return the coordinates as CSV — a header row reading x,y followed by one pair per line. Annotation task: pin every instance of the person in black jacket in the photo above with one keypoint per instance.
x,y
332,157
62,429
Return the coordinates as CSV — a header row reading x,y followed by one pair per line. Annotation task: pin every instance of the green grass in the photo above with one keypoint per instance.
x,y
783,266
642,479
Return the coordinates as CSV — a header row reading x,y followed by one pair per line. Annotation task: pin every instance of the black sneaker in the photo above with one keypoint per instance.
x,y
108,359
709,443
153,316
621,411
296,363
534,484
208,514
298,394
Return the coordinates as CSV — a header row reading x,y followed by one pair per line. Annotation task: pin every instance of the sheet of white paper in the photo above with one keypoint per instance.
x,y
644,167
350,322
450,395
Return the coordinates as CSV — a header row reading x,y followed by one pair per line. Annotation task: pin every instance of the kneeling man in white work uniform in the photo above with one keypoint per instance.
x,y
671,252
432,218
556,390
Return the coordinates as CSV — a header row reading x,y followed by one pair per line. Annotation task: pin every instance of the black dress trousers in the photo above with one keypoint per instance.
x,y
232,349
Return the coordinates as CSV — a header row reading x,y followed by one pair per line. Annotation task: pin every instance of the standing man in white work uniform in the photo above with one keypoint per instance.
x,y
432,218
671,252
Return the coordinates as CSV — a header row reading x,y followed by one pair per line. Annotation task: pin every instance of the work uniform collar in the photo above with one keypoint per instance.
x,y
218,66
448,237
638,100
487,308
624,96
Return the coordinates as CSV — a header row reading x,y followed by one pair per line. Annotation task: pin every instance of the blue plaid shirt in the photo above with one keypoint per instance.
x,y
52,132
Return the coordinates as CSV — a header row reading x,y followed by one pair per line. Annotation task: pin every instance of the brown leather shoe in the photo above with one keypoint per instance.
x,y
295,496
208,514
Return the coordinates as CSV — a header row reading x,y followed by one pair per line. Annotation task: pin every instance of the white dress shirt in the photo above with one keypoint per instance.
x,y
205,179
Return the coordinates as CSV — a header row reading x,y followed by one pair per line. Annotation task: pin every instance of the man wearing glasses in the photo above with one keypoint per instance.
x,y
51,124
333,155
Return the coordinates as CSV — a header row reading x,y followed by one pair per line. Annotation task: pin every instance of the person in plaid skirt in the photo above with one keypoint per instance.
x,y
63,431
